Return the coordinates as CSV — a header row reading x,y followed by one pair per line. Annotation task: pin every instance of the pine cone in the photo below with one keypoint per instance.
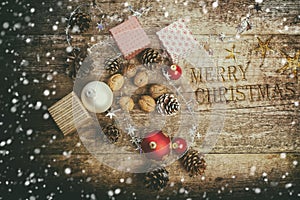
x,y
113,65
150,58
157,179
74,61
167,104
112,132
193,162
82,20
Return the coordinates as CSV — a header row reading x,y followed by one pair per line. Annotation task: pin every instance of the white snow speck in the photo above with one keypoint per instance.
x,y
29,132
32,198
215,4
46,116
264,174
93,197
283,155
54,27
46,92
26,183
49,77
110,193
2,144
295,162
37,151
9,141
69,49
14,100
38,105
68,170
258,1
28,40
257,190
117,191
5,25
32,10
252,170
167,14
296,103
13,109
181,190
25,82
288,185
129,180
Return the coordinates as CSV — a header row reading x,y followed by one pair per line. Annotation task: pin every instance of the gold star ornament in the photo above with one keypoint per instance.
x,y
231,53
291,63
263,47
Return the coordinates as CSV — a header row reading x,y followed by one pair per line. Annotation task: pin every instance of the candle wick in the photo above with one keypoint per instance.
x,y
90,93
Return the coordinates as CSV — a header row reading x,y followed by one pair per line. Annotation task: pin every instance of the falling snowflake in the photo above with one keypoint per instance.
x,y
100,26
131,130
166,74
111,113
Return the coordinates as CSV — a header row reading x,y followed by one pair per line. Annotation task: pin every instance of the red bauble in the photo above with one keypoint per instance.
x,y
175,72
156,145
179,146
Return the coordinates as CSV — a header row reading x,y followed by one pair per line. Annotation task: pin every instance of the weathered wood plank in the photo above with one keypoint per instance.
x,y
256,134
230,174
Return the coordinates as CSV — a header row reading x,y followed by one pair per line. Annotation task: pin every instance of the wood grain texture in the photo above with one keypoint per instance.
x,y
257,136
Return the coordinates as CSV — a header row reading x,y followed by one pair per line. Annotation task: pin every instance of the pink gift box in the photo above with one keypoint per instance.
x,y
130,37
177,39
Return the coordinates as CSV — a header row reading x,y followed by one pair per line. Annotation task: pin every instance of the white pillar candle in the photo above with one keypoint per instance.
x,y
97,97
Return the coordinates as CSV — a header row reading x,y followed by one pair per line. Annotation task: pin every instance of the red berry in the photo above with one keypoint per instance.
x,y
156,145
179,146
175,72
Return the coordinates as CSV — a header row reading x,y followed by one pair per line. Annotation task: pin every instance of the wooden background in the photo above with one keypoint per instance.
x,y
258,147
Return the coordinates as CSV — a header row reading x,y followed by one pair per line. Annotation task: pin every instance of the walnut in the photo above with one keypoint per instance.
x,y
126,103
141,79
147,103
116,82
129,70
157,90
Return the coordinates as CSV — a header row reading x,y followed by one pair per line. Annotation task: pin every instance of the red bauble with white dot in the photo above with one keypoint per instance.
x,y
156,145
175,72
179,146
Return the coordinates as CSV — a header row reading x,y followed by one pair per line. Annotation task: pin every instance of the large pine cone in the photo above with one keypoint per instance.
x,y
150,58
157,179
82,20
193,162
112,132
167,104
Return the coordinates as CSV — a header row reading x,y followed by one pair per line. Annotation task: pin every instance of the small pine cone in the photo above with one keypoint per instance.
x,y
75,60
112,132
167,104
193,162
157,179
82,20
150,58
113,65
